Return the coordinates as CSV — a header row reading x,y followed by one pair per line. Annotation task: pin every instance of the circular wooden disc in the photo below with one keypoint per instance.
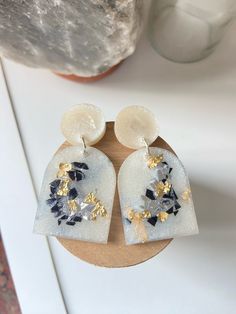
x,y
115,253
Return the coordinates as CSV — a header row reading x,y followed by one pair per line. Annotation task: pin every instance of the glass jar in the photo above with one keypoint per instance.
x,y
188,30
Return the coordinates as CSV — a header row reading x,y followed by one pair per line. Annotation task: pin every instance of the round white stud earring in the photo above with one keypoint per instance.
x,y
83,123
76,198
135,126
154,190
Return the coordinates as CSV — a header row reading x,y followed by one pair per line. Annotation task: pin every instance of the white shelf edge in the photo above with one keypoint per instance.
x,y
35,281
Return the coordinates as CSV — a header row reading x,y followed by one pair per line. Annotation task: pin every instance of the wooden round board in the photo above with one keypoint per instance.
x,y
115,253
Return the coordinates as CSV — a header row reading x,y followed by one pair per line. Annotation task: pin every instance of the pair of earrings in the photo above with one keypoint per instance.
x,y
78,189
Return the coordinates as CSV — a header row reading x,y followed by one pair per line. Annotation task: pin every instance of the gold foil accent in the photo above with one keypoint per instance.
x,y
130,214
146,214
138,215
90,198
73,206
186,195
163,188
153,161
162,216
99,209
140,230
63,168
63,189
137,219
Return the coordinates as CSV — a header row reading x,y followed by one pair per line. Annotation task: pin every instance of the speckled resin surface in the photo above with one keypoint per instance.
x,y
84,209
155,197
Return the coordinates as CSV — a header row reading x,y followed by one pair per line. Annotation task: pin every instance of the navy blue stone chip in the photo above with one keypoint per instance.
x,y
152,220
56,208
51,201
70,223
79,165
177,205
150,194
72,194
77,218
76,175
54,186
170,211
129,221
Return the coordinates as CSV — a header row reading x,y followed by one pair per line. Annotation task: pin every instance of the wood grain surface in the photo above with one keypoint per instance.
x,y
115,253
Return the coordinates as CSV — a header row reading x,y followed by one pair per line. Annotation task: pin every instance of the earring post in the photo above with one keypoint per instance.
x,y
84,145
147,147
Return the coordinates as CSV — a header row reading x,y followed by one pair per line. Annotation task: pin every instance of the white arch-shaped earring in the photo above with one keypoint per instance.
x,y
154,190
76,198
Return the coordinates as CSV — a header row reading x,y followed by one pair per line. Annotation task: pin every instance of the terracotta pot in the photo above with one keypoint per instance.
x,y
83,79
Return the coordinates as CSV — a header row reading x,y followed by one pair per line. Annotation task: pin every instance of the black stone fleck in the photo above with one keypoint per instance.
x,y
150,194
79,165
56,208
177,205
54,186
58,214
70,223
77,218
72,194
76,175
64,217
152,220
129,221
51,201
170,211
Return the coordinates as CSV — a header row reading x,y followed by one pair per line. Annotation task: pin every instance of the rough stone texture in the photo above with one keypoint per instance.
x,y
83,37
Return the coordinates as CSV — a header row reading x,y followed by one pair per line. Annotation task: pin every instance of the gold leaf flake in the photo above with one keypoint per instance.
x,y
90,198
141,231
162,216
146,214
186,195
63,189
163,188
138,215
130,214
99,209
73,206
63,168
153,161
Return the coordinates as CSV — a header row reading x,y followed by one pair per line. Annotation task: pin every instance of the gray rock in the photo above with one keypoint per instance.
x,y
83,37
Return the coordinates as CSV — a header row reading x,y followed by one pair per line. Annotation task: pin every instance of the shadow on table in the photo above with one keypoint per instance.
x,y
210,257
214,209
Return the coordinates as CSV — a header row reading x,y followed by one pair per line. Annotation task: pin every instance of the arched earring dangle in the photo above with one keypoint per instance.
x,y
76,198
154,190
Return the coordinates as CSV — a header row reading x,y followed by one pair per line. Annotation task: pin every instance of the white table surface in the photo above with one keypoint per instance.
x,y
196,108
